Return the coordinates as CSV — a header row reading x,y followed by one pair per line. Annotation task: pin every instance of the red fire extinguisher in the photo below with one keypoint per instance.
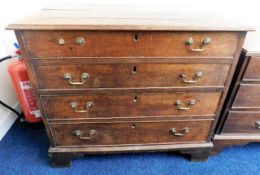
x,y
23,87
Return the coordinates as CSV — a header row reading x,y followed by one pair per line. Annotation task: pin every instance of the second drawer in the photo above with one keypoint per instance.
x,y
129,105
248,97
129,75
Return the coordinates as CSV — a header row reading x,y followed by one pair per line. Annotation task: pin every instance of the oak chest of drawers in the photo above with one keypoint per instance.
x,y
132,80
240,123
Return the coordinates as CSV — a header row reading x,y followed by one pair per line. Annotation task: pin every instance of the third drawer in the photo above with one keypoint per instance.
x,y
130,105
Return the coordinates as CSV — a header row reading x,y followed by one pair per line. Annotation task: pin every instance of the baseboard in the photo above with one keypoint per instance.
x,y
8,120
106,149
227,140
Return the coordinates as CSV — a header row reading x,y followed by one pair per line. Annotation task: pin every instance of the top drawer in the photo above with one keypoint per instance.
x,y
45,44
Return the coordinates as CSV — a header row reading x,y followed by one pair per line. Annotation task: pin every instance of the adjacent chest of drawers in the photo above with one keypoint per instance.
x,y
127,84
241,115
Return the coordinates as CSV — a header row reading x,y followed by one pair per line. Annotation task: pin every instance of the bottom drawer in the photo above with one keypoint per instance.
x,y
242,122
82,133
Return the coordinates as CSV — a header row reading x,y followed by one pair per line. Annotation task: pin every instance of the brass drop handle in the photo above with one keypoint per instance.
x,y
182,132
188,105
88,106
189,42
92,134
80,41
84,77
195,77
257,124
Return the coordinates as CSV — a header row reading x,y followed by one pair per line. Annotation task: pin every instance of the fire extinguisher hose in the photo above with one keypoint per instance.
x,y
5,58
10,108
1,102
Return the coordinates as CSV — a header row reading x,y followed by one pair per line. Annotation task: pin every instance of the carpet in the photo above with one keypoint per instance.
x,y
24,151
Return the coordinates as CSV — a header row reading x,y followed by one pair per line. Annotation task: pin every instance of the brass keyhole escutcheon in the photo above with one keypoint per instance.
x,y
134,71
136,37
135,99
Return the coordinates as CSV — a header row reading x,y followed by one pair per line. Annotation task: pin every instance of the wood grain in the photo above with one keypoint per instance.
x,y
248,96
241,110
115,17
242,122
62,156
130,75
43,44
227,140
252,72
130,133
129,105
134,57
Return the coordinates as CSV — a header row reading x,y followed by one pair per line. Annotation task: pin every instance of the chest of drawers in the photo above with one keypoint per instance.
x,y
135,80
241,116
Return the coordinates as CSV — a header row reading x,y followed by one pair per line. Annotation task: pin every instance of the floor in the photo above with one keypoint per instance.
x,y
24,151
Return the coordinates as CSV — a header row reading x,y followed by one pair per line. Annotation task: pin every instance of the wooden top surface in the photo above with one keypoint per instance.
x,y
118,17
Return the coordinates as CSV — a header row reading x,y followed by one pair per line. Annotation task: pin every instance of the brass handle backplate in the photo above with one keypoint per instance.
x,y
84,77
194,79
61,41
187,106
91,135
80,41
189,42
88,106
257,124
182,132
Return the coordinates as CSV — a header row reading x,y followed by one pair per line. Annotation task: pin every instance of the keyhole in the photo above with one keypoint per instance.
x,y
136,37
134,69
135,98
133,126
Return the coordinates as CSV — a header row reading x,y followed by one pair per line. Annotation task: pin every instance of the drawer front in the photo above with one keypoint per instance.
x,y
253,70
129,105
130,133
248,96
43,44
130,75
242,122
